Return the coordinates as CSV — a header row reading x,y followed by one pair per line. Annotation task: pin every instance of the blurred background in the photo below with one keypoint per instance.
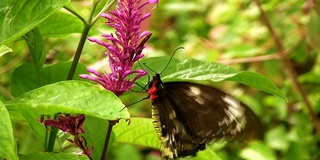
x,y
232,32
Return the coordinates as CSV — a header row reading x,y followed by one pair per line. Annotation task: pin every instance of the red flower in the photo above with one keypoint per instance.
x,y
72,124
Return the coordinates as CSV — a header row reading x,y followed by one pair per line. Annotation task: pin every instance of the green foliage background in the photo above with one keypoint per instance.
x,y
230,32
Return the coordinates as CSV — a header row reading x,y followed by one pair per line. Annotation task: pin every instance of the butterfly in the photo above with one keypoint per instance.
x,y
187,116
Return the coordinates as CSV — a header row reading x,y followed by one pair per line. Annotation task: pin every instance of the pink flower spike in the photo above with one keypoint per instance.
x,y
153,1
93,71
85,76
124,47
107,16
145,33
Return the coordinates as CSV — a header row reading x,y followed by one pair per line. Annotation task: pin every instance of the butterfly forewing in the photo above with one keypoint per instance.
x,y
212,114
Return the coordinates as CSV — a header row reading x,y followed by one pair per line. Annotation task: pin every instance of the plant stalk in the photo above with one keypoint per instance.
x,y
289,67
77,55
52,136
106,141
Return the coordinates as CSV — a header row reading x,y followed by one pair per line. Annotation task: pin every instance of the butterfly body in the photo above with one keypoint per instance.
x,y
187,116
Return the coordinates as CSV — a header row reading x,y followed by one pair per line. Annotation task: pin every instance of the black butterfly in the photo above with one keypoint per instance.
x,y
187,116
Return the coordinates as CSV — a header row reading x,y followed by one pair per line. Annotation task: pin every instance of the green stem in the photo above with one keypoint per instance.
x,y
52,136
77,55
105,8
87,26
106,142
94,7
81,43
75,13
46,141
289,67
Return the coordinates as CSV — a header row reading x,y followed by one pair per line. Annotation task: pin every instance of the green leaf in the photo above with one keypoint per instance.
x,y
4,49
38,129
194,70
127,152
138,131
191,69
24,78
297,151
37,48
207,154
20,16
258,150
277,138
59,72
258,81
55,25
96,130
53,156
74,97
7,143
279,106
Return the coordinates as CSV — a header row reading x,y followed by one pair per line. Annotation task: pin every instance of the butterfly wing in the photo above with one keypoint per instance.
x,y
212,114
175,139
191,115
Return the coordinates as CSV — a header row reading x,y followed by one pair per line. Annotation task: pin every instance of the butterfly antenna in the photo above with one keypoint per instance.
x,y
144,88
134,103
149,68
141,66
171,59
